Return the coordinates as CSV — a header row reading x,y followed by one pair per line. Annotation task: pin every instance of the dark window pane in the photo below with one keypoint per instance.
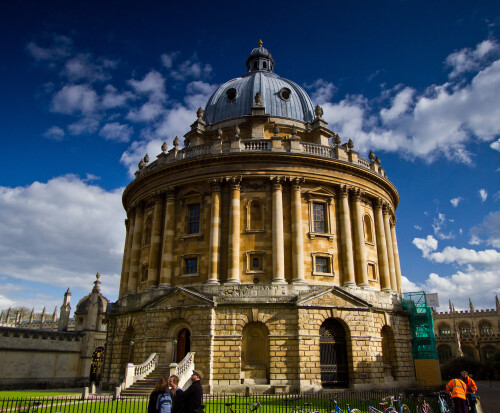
x,y
322,264
191,266
194,219
319,217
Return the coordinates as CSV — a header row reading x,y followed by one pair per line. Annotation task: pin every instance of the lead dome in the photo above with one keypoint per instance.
x,y
281,97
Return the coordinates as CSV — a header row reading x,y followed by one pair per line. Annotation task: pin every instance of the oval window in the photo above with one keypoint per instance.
x,y
285,93
231,94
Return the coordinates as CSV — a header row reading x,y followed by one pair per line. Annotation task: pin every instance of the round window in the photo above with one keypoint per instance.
x,y
285,93
231,94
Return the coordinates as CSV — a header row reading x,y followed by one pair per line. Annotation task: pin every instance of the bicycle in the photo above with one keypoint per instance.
x,y
337,409
443,404
27,407
298,409
252,408
422,405
402,408
388,407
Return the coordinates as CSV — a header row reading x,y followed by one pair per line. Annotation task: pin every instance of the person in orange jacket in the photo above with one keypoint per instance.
x,y
471,391
457,389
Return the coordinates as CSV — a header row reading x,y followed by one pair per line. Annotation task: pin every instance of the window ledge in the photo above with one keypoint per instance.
x,y
313,235
189,236
323,274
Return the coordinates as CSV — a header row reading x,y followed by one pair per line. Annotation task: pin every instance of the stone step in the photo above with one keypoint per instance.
x,y
145,386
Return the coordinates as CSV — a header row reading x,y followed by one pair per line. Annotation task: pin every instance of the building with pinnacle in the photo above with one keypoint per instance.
x,y
264,245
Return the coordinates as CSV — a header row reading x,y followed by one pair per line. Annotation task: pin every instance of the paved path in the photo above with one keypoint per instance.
x,y
490,396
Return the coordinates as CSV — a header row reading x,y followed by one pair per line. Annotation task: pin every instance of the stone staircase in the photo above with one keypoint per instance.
x,y
145,386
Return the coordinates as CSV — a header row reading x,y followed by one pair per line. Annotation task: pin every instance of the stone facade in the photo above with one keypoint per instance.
x,y
474,334
263,232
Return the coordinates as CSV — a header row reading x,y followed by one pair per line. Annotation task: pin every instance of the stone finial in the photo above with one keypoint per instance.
x,y
200,113
258,99
146,159
260,43
294,131
141,164
97,283
236,131
471,306
378,161
164,147
54,315
318,110
176,142
371,155
219,133
336,139
451,306
276,129
350,144
497,303
32,315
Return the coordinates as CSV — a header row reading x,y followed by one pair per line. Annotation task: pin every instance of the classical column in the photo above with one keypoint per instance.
x,y
359,238
233,276
214,241
277,232
167,256
383,261
397,264
135,254
155,249
346,237
126,256
297,238
390,251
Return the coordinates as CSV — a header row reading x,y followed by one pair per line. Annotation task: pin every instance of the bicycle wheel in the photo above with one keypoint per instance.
x,y
405,409
355,411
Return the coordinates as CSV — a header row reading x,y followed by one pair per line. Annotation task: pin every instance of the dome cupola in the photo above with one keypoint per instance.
x,y
280,97
260,59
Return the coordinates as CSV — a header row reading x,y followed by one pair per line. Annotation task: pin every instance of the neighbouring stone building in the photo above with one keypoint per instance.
x,y
474,334
40,351
264,245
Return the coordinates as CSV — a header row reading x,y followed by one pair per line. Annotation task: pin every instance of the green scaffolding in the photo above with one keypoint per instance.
x,y
421,324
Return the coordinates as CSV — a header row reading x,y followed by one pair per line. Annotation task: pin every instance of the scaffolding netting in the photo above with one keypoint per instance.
x,y
421,324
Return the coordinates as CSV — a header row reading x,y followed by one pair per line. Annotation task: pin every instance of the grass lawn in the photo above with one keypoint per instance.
x,y
15,394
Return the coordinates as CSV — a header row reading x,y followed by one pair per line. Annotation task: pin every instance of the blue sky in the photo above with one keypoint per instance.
x,y
87,88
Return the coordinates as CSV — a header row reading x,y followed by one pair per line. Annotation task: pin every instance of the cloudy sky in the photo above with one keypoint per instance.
x,y
88,87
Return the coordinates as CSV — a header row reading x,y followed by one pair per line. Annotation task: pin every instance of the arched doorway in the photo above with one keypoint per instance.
x,y
255,354
388,353
96,365
333,354
127,354
183,344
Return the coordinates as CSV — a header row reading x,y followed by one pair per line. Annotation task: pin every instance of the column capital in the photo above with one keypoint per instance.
x,y
126,222
378,203
139,205
393,221
170,191
297,182
215,184
342,191
234,181
277,181
357,193
158,196
387,209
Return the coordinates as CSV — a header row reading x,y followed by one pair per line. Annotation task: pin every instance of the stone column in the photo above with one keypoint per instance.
x,y
129,223
390,251
167,256
346,237
397,264
277,232
383,260
359,237
233,276
297,238
155,249
214,241
135,255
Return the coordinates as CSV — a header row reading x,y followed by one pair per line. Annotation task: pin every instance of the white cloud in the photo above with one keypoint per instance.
x,y
60,47
84,67
483,194
131,157
75,99
149,111
489,228
116,132
475,240
152,85
400,105
495,145
468,60
191,68
464,256
323,91
112,99
55,133
85,125
439,225
198,93
417,227
167,59
61,233
456,201
426,245
6,302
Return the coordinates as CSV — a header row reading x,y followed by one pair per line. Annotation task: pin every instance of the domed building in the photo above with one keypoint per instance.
x,y
264,249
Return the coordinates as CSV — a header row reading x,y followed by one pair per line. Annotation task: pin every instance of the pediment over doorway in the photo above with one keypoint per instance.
x,y
180,297
332,297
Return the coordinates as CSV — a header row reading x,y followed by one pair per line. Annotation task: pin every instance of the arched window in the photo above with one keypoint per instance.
x,y
368,227
485,329
444,329
183,344
464,329
148,227
255,213
333,354
255,353
444,353
96,365
488,353
127,353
